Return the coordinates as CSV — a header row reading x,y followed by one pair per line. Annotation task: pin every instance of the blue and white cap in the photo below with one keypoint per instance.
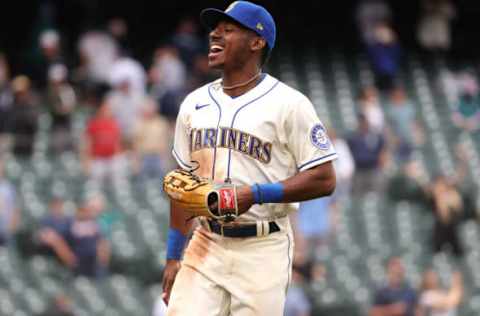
x,y
247,14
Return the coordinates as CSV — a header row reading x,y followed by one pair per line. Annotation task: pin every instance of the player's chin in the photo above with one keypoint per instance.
x,y
215,64
216,61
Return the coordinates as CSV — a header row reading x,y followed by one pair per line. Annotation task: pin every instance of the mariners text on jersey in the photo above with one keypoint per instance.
x,y
231,138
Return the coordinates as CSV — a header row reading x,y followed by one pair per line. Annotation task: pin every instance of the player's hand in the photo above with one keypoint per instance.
x,y
244,198
47,236
169,274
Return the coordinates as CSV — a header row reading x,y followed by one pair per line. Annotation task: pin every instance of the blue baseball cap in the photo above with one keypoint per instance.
x,y
247,14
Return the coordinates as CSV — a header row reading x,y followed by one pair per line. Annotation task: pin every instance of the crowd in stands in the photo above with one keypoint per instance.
x,y
78,241
387,134
128,112
398,297
131,111
134,108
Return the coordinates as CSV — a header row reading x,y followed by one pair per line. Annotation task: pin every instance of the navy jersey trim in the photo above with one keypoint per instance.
x,y
316,160
216,134
235,116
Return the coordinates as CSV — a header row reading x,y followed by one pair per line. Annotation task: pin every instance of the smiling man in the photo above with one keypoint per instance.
x,y
249,131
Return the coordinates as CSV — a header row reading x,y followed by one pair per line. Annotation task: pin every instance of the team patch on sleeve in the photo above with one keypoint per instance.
x,y
319,137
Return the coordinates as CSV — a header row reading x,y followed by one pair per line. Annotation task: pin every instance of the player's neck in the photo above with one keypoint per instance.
x,y
237,83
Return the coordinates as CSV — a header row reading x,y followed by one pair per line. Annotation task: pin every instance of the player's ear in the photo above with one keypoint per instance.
x,y
258,43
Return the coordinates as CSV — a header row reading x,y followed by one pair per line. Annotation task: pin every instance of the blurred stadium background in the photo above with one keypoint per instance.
x,y
83,220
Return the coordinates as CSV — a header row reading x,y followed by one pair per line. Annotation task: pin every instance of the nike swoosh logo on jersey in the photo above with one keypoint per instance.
x,y
199,106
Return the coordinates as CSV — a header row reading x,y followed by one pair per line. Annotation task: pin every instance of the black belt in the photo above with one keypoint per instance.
x,y
240,231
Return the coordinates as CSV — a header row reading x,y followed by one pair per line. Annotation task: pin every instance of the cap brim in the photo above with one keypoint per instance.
x,y
211,17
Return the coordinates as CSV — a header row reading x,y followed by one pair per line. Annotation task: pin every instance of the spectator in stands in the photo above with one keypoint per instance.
x,y
167,72
315,221
56,221
168,76
127,69
52,231
103,158
464,183
187,41
53,235
370,106
402,118
297,302
98,51
82,247
384,53
128,95
97,204
369,153
6,100
170,104
61,102
467,82
434,33
446,82
447,206
50,54
302,254
151,141
408,183
9,208
396,297
23,117
118,29
462,93
344,167
90,248
435,301
370,13
467,112
94,96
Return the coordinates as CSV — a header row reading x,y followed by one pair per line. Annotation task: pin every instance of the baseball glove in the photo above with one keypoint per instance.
x,y
199,196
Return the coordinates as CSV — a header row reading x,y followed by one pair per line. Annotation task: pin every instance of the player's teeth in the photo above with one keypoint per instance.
x,y
216,48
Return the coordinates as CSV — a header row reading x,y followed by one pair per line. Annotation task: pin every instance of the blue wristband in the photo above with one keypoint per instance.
x,y
175,243
267,193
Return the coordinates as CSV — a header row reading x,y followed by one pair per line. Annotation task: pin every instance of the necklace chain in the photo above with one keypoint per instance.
x,y
241,84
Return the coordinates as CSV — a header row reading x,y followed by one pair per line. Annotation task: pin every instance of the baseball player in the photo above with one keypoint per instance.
x,y
259,141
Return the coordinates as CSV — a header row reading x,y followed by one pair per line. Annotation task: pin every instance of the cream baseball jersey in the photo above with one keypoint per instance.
x,y
265,135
